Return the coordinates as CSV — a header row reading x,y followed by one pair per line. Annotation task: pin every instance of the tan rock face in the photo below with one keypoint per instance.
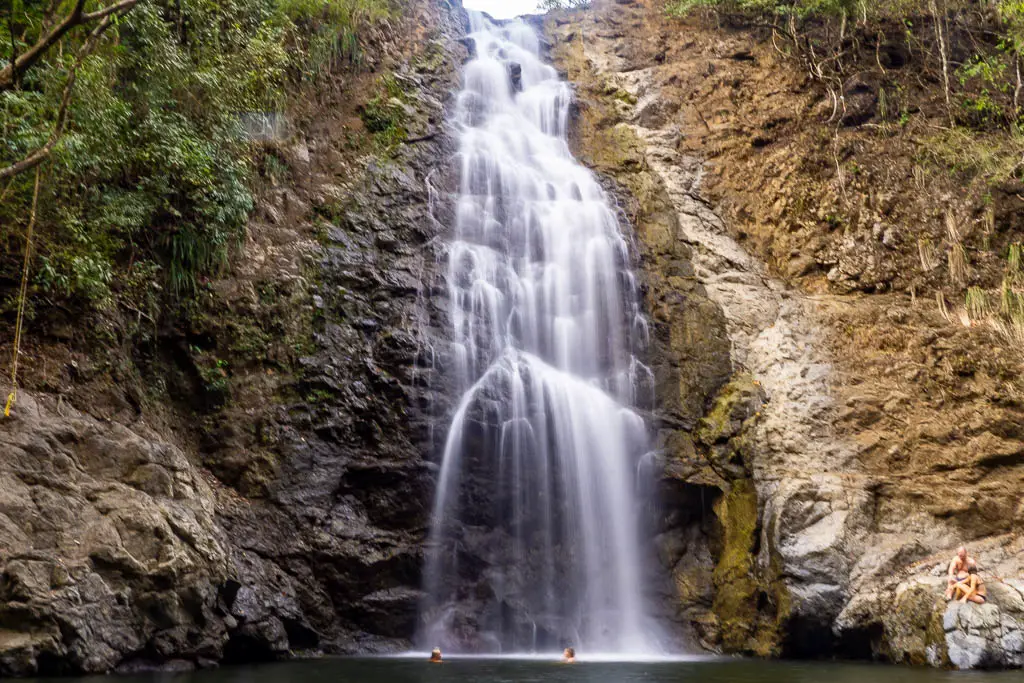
x,y
887,435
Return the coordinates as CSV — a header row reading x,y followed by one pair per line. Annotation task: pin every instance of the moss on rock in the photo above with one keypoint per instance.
x,y
738,400
735,601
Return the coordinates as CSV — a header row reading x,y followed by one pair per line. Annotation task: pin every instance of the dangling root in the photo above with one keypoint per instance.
x,y
22,295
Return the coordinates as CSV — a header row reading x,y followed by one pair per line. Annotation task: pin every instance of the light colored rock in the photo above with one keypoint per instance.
x,y
966,651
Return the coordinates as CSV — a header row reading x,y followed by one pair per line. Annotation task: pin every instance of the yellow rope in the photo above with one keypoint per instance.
x,y
12,397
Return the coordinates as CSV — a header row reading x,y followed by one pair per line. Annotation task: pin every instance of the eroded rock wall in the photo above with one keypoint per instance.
x,y
256,485
805,496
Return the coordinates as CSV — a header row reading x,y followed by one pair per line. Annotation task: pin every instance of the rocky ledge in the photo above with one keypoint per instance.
x,y
909,621
112,553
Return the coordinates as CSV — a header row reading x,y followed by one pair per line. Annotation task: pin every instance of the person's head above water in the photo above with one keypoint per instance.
x,y
569,654
435,654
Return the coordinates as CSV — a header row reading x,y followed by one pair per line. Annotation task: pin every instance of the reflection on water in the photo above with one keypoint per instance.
x,y
482,670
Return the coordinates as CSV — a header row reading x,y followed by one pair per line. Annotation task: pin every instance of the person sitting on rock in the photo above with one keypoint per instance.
x,y
569,655
972,588
435,655
958,566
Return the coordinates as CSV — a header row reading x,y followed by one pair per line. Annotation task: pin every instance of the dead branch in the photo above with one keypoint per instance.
x,y
1017,89
878,52
943,53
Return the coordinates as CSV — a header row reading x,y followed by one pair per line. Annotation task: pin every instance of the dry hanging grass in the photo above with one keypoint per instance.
x,y
928,254
957,255
958,270
977,303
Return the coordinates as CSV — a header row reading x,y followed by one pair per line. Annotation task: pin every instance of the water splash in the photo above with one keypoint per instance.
x,y
534,542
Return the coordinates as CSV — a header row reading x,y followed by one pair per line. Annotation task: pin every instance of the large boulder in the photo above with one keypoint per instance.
x,y
907,619
111,550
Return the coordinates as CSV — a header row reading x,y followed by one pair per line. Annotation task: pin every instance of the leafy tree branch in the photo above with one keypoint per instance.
x,y
106,18
10,74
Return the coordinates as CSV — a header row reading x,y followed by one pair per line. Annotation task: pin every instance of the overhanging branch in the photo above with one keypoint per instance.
x,y
40,155
11,72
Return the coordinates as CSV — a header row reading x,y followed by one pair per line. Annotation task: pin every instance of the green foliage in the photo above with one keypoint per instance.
x,y
385,115
329,29
1012,14
154,173
1013,261
977,302
1006,318
983,78
958,151
797,8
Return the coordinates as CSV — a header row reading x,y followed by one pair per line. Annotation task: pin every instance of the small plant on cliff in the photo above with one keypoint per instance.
x,y
386,114
1006,318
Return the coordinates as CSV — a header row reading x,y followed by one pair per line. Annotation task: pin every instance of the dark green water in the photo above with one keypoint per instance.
x,y
407,670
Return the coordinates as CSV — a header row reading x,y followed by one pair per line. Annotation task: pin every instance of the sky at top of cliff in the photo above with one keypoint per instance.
x,y
503,9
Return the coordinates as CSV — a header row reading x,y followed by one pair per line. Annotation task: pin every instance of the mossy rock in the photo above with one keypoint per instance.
x,y
616,150
738,401
736,589
913,630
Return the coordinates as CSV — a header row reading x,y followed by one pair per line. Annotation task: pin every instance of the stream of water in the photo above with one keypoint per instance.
x,y
534,542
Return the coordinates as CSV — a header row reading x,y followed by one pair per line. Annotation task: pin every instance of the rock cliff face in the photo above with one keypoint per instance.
x,y
824,453
259,484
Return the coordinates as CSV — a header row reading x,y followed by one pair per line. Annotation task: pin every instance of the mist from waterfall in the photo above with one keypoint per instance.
x,y
534,539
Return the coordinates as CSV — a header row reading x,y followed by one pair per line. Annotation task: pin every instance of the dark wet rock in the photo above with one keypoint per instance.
x,y
860,100
515,74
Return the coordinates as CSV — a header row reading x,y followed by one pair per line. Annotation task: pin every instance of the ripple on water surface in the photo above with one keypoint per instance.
x,y
538,670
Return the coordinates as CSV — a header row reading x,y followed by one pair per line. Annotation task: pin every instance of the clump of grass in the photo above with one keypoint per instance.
x,y
958,268
1007,319
992,157
977,303
332,28
385,115
957,255
928,254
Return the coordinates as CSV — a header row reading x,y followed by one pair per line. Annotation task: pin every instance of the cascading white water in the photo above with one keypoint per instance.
x,y
534,542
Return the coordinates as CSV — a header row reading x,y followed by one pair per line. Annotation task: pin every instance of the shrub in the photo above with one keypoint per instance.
x,y
154,170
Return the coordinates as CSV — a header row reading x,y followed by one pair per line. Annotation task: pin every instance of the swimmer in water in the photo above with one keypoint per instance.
x,y
568,655
435,655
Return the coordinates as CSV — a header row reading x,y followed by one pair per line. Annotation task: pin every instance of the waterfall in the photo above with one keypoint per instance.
x,y
534,538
